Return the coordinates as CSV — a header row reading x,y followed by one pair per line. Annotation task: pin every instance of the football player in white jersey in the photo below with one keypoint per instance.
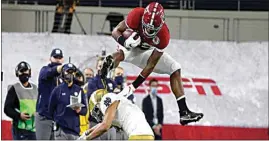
x,y
116,110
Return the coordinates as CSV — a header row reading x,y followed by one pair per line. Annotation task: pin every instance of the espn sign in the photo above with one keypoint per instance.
x,y
188,83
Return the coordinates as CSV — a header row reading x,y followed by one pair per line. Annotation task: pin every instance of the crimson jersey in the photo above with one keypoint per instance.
x,y
133,21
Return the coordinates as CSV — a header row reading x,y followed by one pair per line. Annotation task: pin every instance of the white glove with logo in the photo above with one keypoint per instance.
x,y
127,91
131,42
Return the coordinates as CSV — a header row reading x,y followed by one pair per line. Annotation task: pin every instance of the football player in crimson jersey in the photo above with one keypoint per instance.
x,y
146,52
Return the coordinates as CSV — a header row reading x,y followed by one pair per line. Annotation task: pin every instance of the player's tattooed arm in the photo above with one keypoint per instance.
x,y
106,123
119,29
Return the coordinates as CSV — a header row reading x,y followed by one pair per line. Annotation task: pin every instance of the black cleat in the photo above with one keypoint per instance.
x,y
188,117
108,65
109,62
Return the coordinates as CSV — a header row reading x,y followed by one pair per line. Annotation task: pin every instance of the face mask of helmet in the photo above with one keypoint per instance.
x,y
150,30
97,114
24,78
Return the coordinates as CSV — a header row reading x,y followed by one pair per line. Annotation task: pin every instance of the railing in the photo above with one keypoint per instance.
x,y
234,5
228,29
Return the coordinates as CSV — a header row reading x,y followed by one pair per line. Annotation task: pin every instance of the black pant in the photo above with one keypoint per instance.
x,y
21,134
157,137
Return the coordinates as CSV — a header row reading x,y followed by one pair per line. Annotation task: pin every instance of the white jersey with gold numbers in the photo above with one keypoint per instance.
x,y
129,117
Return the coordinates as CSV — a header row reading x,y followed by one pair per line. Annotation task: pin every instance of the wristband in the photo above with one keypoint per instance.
x,y
121,40
132,87
138,81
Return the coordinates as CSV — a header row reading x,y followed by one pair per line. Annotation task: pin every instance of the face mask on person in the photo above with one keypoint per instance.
x,y
153,91
88,78
119,80
78,82
24,78
55,63
69,78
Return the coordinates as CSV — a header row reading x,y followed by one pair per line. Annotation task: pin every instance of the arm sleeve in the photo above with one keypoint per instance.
x,y
11,103
83,110
53,101
47,72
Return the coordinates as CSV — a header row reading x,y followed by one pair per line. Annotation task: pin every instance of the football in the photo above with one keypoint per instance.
x,y
127,33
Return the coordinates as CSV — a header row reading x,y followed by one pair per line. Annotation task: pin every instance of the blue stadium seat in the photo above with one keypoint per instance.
x,y
254,5
216,4
47,2
89,2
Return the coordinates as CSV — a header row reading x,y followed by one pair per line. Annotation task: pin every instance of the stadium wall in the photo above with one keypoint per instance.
x,y
183,24
227,81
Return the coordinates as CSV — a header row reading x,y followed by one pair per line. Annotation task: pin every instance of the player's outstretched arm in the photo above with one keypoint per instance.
x,y
87,132
106,123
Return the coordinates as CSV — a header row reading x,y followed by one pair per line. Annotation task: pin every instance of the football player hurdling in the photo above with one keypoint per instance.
x,y
142,38
116,110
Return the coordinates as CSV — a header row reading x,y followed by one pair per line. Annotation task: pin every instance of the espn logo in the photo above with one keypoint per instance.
x,y
188,83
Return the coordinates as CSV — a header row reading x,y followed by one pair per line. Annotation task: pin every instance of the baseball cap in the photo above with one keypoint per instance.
x,y
56,53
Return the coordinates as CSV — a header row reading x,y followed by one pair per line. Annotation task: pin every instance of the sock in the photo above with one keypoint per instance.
x,y
181,102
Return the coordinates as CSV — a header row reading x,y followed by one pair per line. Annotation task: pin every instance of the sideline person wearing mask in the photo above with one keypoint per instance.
x,y
88,74
120,82
61,108
20,104
48,79
152,107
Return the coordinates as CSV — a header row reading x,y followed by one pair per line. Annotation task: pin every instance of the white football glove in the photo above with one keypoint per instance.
x,y
84,135
127,91
130,42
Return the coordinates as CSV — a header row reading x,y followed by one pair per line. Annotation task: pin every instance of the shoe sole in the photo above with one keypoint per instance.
x,y
185,122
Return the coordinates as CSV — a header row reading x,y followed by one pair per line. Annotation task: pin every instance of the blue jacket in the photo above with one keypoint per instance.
x,y
65,117
47,81
96,83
